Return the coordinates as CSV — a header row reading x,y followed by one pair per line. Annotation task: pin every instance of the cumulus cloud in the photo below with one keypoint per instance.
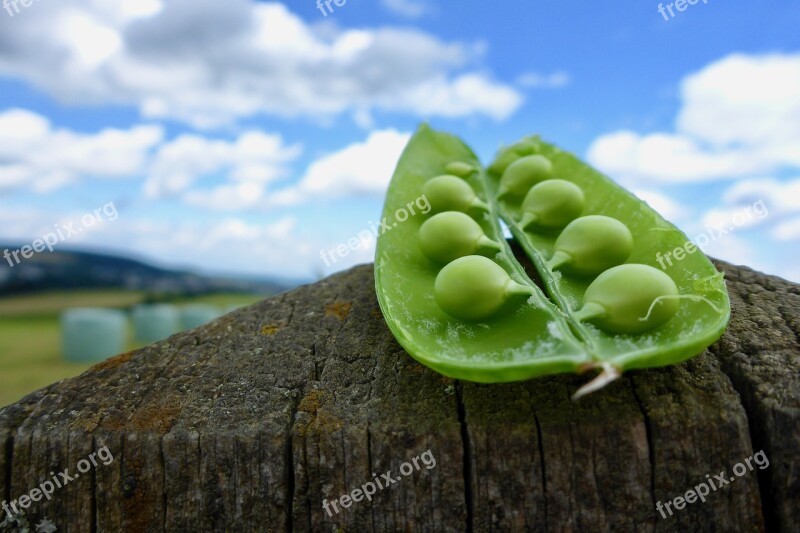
x,y
36,155
788,230
256,245
662,203
250,161
361,168
740,116
536,80
780,196
210,63
249,246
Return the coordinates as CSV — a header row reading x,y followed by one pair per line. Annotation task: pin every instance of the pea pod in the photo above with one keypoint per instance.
x,y
481,318
672,324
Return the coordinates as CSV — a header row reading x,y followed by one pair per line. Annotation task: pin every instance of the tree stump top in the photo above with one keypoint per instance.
x,y
250,422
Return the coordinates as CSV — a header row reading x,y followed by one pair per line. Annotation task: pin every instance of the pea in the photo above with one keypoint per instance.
x,y
459,168
552,204
511,153
630,299
606,302
590,245
474,288
523,174
449,193
452,234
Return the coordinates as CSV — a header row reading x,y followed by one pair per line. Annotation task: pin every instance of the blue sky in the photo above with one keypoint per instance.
x,y
245,137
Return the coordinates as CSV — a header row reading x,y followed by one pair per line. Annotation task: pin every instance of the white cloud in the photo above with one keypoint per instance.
x,y
406,8
754,100
732,248
259,246
788,230
662,203
665,158
536,80
231,197
251,160
210,63
740,116
228,245
361,168
36,155
457,97
734,218
780,197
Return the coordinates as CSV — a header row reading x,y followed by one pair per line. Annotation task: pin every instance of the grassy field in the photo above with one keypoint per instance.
x,y
30,336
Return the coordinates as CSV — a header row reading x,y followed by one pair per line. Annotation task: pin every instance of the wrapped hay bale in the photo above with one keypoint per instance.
x,y
195,315
91,335
152,323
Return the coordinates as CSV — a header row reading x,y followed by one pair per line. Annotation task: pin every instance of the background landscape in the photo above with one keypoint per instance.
x,y
238,140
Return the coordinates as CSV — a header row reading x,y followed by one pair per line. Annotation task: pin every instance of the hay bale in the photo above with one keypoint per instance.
x,y
152,323
91,335
195,315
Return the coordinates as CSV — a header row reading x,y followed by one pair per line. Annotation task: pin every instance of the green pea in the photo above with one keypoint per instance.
x,y
459,168
449,193
523,174
474,288
630,299
511,153
552,204
452,234
590,245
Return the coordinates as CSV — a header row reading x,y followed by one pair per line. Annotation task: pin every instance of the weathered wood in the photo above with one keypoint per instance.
x,y
250,422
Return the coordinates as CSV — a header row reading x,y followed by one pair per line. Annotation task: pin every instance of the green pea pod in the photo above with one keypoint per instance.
x,y
704,308
528,336
480,318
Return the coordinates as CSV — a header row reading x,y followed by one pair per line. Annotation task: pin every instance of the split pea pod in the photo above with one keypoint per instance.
x,y
457,300
603,271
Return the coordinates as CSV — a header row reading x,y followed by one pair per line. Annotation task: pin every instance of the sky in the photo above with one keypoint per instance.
x,y
244,137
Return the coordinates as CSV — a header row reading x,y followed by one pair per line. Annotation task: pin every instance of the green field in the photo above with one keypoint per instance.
x,y
30,337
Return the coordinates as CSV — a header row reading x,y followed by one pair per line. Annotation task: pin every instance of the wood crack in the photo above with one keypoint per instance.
x,y
467,452
650,441
544,469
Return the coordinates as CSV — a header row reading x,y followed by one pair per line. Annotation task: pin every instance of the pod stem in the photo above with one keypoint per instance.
x,y
609,374
514,288
486,242
589,311
559,258
527,220
480,204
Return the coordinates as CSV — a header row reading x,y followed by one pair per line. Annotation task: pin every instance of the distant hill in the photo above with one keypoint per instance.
x,y
82,270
